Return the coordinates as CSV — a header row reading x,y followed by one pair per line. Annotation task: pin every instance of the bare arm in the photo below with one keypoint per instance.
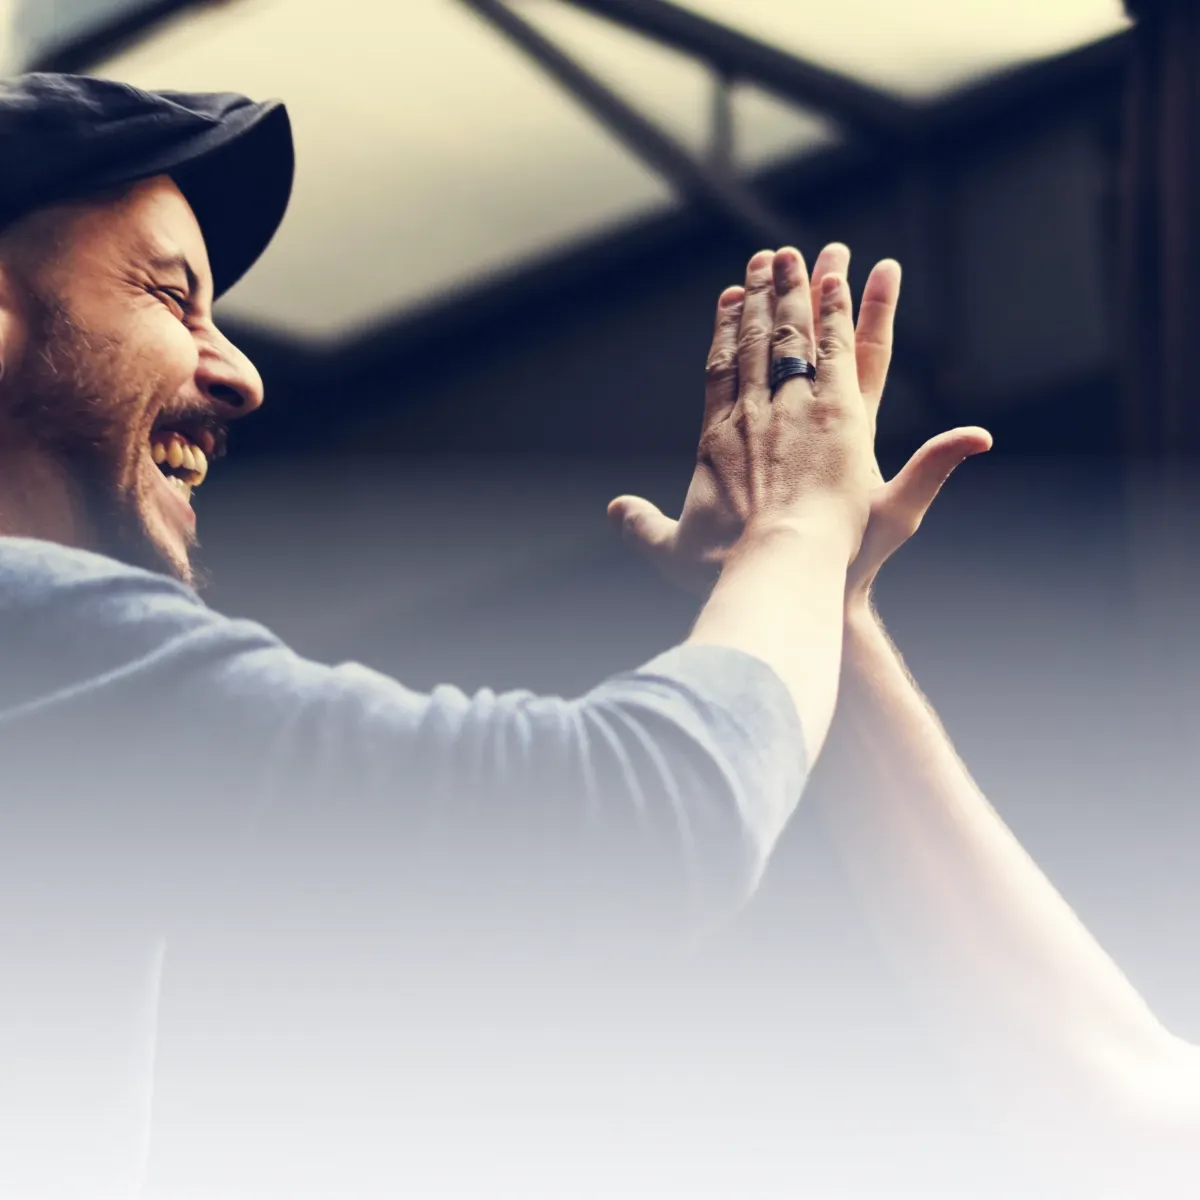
x,y
779,598
778,501
1029,998
980,933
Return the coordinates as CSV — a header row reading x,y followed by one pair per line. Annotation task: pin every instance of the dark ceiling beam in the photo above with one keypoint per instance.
x,y
104,39
985,114
1025,90
860,110
694,181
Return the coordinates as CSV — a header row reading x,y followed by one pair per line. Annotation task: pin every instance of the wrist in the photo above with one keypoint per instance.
x,y
790,565
861,622
826,533
859,605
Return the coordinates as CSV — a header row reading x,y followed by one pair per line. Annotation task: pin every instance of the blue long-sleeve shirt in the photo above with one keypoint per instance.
x,y
164,768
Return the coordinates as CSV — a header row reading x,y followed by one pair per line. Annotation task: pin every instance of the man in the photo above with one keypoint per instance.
x,y
168,771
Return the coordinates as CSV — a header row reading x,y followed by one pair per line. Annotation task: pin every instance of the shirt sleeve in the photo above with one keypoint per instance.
x,y
659,793
663,789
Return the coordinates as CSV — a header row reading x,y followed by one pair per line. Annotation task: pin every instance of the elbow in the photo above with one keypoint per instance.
x,y
699,825
1142,1094
1160,1093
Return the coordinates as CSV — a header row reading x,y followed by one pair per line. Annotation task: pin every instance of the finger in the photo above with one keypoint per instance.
x,y
836,368
916,486
794,335
721,372
643,525
834,259
875,333
754,338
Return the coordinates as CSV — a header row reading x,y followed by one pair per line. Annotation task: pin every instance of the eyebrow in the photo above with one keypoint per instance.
x,y
175,262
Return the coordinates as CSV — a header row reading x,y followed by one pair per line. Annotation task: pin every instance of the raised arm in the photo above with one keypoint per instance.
x,y
779,496
656,796
1035,1007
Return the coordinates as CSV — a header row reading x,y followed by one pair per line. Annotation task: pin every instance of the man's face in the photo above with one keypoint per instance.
x,y
124,383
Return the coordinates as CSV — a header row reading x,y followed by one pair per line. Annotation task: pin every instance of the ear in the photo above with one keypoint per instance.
x,y
14,322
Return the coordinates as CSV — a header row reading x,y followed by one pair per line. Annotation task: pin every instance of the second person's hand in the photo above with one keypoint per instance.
x,y
898,505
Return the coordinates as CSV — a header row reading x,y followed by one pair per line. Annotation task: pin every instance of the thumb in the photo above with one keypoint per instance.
x,y
922,477
642,525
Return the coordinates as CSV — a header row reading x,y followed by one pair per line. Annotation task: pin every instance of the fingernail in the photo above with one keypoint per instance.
x,y
763,258
831,284
731,297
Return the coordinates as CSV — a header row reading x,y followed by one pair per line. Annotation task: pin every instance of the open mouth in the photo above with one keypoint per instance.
x,y
183,455
182,462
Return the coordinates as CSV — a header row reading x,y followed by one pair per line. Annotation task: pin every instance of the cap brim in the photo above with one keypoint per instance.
x,y
237,176
239,191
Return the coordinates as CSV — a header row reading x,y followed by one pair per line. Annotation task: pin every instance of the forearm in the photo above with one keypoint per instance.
x,y
975,926
779,599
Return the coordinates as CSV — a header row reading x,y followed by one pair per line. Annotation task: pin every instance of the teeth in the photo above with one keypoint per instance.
x,y
184,489
176,452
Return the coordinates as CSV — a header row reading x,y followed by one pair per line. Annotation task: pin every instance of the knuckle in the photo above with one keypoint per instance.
x,y
753,337
790,337
722,365
874,341
836,300
743,417
833,342
708,451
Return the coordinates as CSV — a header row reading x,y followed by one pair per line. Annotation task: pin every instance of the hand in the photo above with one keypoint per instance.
x,y
899,505
799,459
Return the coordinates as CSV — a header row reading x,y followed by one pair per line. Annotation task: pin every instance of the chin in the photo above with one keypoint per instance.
x,y
176,562
147,547
143,516
166,524
164,552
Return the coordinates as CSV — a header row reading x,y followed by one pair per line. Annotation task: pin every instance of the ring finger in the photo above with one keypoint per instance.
x,y
754,340
793,336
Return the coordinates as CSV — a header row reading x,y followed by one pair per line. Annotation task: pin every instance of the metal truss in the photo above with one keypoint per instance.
x,y
109,37
862,114
710,185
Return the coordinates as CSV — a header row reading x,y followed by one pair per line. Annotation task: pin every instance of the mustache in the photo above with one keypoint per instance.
x,y
196,420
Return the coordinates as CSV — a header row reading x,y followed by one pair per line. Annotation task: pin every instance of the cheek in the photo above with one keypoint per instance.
x,y
155,369
171,354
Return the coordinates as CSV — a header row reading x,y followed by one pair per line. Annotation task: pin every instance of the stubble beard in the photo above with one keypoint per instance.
x,y
80,403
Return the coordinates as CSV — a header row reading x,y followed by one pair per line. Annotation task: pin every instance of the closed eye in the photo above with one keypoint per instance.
x,y
177,301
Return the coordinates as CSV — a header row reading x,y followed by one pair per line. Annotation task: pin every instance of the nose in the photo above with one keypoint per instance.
x,y
228,378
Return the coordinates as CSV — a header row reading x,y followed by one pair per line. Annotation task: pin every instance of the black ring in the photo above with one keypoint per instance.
x,y
783,369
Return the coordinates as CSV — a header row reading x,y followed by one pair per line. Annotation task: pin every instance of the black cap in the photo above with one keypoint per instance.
x,y
64,137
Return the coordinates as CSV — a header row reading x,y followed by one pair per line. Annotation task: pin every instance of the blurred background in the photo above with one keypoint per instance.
x,y
488,310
